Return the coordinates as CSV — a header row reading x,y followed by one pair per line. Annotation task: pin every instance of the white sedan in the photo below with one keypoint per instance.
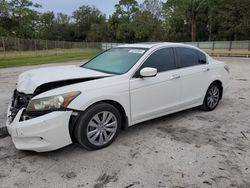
x,y
89,104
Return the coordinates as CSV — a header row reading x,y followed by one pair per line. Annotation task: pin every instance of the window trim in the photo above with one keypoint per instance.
x,y
196,52
135,74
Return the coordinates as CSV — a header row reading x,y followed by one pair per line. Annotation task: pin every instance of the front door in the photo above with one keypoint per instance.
x,y
155,96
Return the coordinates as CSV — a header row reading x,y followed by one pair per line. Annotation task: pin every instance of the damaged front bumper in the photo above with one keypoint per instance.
x,y
44,133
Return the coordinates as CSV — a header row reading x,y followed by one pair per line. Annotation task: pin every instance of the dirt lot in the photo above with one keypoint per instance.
x,y
187,149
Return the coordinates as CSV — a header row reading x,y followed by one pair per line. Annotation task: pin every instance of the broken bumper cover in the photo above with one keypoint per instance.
x,y
44,133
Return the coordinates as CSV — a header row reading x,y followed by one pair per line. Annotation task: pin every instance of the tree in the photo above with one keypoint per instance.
x,y
46,24
84,17
232,20
63,28
98,33
112,25
144,25
188,10
152,20
24,15
125,33
154,7
56,27
4,7
125,9
123,17
5,20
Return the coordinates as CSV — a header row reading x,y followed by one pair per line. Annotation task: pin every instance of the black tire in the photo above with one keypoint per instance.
x,y
83,125
206,104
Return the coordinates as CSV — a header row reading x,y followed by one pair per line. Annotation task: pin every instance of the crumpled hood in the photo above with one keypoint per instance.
x,y
28,81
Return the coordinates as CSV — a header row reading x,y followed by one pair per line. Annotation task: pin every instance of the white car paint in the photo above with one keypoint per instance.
x,y
141,98
147,96
41,134
30,80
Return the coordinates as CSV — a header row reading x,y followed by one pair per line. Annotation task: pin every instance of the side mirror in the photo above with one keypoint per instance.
x,y
148,72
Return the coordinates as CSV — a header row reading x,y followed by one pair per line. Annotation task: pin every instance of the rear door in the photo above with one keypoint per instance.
x,y
195,74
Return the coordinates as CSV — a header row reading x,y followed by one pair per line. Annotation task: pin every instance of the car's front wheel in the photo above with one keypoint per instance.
x,y
98,126
212,97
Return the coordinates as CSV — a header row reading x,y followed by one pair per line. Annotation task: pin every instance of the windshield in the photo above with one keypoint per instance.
x,y
115,60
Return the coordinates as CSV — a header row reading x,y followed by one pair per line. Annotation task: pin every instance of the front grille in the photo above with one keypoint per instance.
x,y
30,115
19,101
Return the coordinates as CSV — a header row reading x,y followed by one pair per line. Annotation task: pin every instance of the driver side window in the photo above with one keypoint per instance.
x,y
162,60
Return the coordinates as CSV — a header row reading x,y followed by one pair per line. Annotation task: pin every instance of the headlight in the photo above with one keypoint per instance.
x,y
56,102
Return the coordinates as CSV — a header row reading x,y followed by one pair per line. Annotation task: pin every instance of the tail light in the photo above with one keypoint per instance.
x,y
226,68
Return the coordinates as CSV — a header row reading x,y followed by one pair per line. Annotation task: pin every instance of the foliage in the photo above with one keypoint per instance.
x,y
153,20
125,10
84,17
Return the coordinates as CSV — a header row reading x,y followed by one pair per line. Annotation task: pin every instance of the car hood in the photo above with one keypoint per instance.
x,y
28,81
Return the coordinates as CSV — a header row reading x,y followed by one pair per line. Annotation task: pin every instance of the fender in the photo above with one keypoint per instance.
x,y
87,100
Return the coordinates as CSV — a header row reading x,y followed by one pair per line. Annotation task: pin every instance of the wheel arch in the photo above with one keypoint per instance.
x,y
114,103
121,109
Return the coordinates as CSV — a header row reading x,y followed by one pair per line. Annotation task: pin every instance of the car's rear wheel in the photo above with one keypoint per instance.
x,y
212,97
98,126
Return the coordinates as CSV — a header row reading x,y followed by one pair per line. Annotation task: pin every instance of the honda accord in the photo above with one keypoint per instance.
x,y
90,104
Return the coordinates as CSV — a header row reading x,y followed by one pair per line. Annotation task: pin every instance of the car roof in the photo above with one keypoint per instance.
x,y
149,45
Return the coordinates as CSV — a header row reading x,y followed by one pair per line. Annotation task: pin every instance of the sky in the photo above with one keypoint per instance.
x,y
68,6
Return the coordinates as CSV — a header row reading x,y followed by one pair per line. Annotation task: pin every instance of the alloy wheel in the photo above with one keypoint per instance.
x,y
101,128
213,96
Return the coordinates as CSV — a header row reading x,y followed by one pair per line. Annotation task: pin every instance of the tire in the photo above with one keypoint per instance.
x,y
92,131
212,97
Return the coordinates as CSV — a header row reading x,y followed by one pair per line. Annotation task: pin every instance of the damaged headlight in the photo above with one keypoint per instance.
x,y
56,102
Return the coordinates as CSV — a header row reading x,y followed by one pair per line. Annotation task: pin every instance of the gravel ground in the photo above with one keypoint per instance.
x,y
187,149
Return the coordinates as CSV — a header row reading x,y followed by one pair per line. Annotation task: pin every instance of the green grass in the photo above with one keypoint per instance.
x,y
46,58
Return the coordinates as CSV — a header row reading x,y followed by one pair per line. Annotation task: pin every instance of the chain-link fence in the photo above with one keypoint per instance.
x,y
222,45
213,45
224,48
14,47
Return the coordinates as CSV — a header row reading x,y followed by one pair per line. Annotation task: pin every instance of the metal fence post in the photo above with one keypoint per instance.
x,y
35,46
213,44
230,46
46,46
55,47
248,47
15,45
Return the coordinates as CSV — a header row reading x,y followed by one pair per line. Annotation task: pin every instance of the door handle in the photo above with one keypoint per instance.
x,y
206,69
174,77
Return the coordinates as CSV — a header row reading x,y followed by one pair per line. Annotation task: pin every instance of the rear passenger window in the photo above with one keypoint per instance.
x,y
202,58
162,60
187,57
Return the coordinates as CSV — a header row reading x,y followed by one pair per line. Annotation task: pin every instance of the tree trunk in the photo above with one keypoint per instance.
x,y
193,23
